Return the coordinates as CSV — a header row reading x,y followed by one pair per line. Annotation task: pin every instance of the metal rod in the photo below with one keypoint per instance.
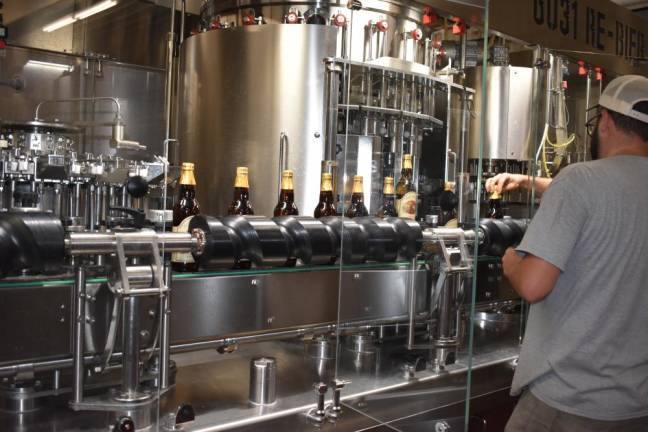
x,y
165,338
412,307
131,346
168,96
331,99
79,328
588,95
103,243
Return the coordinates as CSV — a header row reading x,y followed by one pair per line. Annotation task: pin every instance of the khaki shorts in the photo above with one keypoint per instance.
x,y
533,415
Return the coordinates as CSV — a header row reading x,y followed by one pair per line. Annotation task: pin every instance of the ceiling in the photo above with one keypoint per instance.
x,y
632,4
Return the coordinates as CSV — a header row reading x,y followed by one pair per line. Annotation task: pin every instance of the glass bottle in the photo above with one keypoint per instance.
x,y
389,196
286,205
186,207
495,206
326,205
406,199
241,203
357,207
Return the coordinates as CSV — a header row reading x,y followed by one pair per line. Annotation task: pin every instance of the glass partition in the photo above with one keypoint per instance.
x,y
408,166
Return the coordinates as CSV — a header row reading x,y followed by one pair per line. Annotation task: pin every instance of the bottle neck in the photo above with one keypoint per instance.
x,y
357,197
241,193
326,196
287,195
187,191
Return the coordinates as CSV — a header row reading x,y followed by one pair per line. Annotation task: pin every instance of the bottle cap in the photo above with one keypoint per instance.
x,y
287,173
495,196
241,170
187,166
327,176
388,185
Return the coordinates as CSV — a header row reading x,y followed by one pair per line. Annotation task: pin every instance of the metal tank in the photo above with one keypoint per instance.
x,y
241,90
509,96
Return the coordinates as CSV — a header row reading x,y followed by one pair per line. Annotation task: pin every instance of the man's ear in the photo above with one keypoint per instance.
x,y
606,124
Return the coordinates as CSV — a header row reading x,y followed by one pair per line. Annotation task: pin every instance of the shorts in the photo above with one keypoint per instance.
x,y
533,415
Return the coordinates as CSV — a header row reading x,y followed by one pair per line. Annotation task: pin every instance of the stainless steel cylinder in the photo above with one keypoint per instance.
x,y
102,243
263,380
79,327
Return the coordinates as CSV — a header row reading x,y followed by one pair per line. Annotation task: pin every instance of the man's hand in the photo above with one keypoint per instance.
x,y
531,277
506,182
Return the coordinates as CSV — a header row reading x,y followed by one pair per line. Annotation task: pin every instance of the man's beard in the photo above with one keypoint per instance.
x,y
595,144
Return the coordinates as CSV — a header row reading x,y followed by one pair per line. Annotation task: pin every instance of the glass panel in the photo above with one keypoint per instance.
x,y
83,158
405,115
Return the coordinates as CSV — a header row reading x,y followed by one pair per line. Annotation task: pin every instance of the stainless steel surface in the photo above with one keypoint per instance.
x,y
232,116
508,119
366,39
263,380
140,90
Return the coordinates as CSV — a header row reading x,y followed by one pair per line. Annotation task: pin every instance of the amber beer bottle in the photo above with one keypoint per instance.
x,y
241,202
388,208
495,206
286,205
186,207
405,191
357,207
326,205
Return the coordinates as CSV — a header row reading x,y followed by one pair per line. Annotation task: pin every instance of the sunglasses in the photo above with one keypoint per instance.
x,y
593,121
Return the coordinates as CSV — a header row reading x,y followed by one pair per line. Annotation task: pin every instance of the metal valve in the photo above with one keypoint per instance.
x,y
334,411
318,414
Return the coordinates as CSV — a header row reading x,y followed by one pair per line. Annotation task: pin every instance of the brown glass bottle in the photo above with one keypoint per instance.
x,y
495,206
183,209
357,207
388,207
286,205
405,190
241,203
326,205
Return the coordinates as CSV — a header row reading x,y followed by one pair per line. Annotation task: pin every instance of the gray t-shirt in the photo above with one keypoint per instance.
x,y
585,350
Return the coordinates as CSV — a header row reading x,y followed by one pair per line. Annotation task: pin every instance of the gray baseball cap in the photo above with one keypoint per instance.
x,y
623,93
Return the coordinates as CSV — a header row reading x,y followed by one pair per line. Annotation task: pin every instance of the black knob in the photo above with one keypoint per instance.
x,y
124,424
137,186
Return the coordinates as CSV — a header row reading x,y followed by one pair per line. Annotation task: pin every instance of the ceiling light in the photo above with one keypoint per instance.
x,y
61,22
48,65
82,14
96,8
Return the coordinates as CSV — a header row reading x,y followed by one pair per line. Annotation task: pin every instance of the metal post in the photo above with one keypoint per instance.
x,y
412,306
588,95
165,339
79,327
131,345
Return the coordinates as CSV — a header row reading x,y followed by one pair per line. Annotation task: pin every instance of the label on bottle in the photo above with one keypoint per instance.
x,y
406,206
182,257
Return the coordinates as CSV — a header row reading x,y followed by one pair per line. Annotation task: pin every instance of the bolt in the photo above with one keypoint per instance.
x,y
62,306
62,319
144,334
151,313
356,276
316,134
254,282
271,319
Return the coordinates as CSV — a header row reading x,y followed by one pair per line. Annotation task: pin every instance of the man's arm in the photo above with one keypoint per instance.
x,y
506,182
531,277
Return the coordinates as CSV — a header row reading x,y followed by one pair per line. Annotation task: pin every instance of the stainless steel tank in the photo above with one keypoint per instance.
x,y
509,96
241,89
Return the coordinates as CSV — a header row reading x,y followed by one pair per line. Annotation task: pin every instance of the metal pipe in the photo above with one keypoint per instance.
x,y
79,328
168,96
412,307
331,99
83,99
130,346
165,338
103,243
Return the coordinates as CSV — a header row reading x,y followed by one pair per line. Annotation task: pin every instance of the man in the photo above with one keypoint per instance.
x,y
583,264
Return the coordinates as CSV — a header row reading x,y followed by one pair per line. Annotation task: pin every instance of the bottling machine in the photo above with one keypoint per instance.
x,y
289,323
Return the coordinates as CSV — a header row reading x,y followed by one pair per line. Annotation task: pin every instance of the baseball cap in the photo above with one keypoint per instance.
x,y
623,93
